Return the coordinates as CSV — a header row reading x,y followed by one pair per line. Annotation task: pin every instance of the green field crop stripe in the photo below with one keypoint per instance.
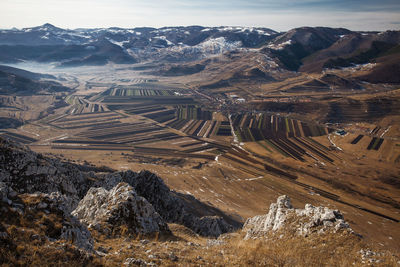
x,y
375,143
287,125
264,146
250,134
277,148
260,120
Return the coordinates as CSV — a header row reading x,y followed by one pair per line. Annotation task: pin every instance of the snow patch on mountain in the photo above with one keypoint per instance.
x,y
46,36
246,30
208,48
121,44
164,38
218,45
280,46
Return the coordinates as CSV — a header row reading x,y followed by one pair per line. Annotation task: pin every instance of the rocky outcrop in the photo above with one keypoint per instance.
x,y
302,221
28,172
152,188
46,214
72,230
273,220
322,218
119,210
170,207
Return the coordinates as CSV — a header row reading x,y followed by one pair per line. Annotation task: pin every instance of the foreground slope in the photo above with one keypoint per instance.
x,y
117,226
29,172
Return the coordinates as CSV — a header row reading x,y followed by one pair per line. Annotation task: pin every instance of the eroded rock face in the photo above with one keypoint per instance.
x,y
322,217
274,219
72,229
170,207
52,208
119,210
152,188
28,172
303,221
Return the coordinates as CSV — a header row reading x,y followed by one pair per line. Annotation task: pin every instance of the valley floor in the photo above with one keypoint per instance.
x,y
225,153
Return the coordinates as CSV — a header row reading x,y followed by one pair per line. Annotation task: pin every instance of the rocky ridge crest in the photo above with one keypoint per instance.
x,y
36,210
303,221
117,210
141,202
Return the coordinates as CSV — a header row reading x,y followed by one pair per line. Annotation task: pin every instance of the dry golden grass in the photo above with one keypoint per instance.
x,y
329,249
26,245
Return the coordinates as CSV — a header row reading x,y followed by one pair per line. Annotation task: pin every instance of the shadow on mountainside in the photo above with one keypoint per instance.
x,y
200,209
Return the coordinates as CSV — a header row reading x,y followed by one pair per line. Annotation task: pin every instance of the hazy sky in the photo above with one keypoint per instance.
x,y
279,15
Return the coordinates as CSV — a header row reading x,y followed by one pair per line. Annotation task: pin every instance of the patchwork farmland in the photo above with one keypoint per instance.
x,y
375,144
79,104
132,117
256,127
138,92
282,135
163,127
195,121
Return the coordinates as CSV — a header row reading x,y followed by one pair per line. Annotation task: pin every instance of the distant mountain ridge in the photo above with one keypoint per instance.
x,y
306,49
99,46
26,74
15,81
48,34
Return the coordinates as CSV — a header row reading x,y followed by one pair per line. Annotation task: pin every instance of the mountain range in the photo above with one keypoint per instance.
x,y
306,49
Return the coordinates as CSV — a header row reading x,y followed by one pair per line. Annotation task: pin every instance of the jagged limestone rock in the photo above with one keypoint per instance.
x,y
320,216
273,220
56,205
170,207
152,188
72,230
117,209
29,172
302,221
